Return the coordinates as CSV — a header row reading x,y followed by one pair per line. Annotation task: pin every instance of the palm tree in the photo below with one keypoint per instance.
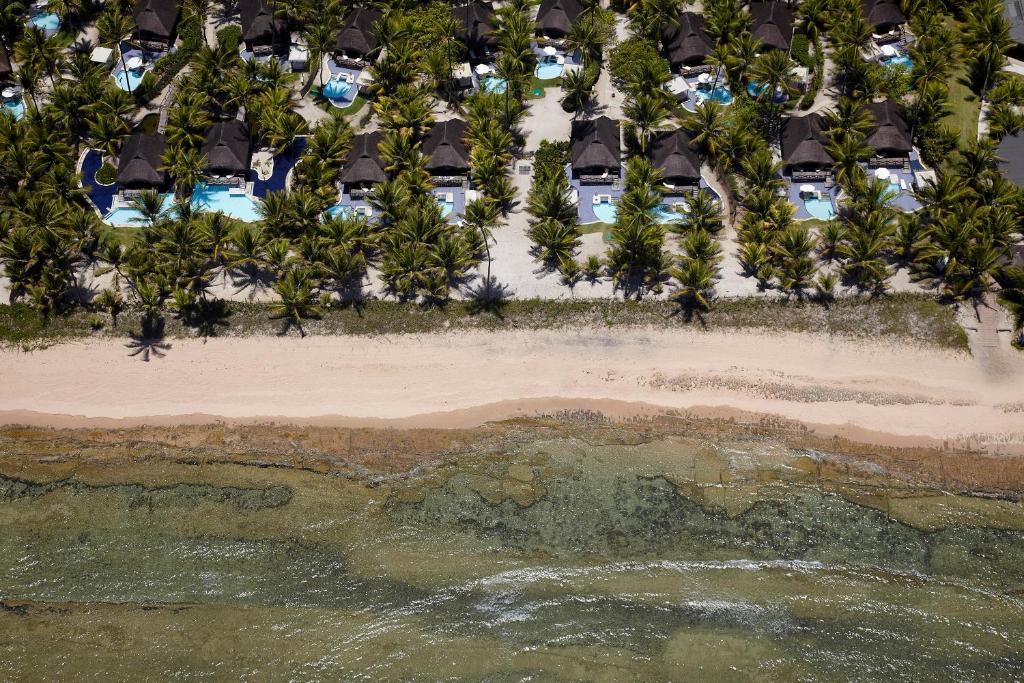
x,y
577,84
186,166
296,300
481,215
1011,295
708,127
647,113
12,22
320,37
115,26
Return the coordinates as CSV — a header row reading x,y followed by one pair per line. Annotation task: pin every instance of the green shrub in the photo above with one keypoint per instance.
x,y
801,50
634,57
106,175
230,36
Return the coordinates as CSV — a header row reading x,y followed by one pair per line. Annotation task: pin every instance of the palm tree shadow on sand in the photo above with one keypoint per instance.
x,y
149,343
489,296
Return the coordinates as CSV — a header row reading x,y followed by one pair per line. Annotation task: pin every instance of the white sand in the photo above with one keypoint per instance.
x,y
840,387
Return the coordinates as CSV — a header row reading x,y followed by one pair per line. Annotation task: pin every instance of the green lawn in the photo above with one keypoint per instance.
x,y
965,106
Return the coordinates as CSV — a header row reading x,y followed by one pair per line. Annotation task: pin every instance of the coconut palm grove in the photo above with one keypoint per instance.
x,y
172,156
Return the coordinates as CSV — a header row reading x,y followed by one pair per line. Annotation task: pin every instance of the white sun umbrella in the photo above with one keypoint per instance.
x,y
704,77
550,50
881,173
807,188
134,62
483,69
8,92
888,51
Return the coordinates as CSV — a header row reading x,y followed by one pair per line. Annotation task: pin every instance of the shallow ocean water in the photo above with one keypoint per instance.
x,y
551,559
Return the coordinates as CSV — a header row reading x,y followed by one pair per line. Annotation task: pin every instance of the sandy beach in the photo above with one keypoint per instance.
x,y
872,392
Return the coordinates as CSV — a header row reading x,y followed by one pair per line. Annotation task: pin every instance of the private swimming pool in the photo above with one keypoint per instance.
x,y
129,80
666,214
821,209
493,84
605,211
902,61
15,108
48,21
446,206
549,69
720,93
231,201
128,217
336,89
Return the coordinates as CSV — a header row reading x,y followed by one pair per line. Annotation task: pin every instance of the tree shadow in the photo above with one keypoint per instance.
x,y
149,343
489,296
208,317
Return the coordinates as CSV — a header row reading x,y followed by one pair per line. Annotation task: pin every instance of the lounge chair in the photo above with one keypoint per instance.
x,y
560,59
597,199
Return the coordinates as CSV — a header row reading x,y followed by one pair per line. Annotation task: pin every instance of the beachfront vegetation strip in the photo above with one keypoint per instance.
x,y
911,318
363,213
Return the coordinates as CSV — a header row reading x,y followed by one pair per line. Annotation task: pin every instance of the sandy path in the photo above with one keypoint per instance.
x,y
840,387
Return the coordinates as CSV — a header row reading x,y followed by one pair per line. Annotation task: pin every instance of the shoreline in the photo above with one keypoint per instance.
x,y
882,393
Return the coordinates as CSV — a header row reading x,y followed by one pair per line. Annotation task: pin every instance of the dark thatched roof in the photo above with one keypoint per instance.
x,y
1011,151
447,151
478,24
227,148
363,164
357,36
5,63
803,142
141,164
556,17
686,43
156,19
671,152
772,24
595,145
891,135
883,14
258,23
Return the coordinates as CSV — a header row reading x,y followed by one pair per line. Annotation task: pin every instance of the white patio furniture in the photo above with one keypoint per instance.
x,y
882,173
550,50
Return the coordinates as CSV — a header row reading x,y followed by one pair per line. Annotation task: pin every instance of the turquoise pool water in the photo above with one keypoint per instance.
x,y
720,93
127,217
666,214
605,212
48,21
549,69
821,209
755,89
228,201
446,207
15,108
902,61
130,79
494,84
336,90
338,210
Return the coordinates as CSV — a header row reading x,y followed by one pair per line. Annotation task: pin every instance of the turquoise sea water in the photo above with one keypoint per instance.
x,y
590,556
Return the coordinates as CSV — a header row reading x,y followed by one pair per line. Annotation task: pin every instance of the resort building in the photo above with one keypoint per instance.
x,y
556,17
156,23
686,44
357,40
804,152
673,154
448,161
890,139
1011,154
363,167
477,30
261,31
772,24
1013,10
883,15
6,72
228,151
140,166
596,150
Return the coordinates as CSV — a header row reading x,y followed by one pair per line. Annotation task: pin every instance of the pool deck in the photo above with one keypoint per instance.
x,y
353,92
459,197
793,193
691,102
